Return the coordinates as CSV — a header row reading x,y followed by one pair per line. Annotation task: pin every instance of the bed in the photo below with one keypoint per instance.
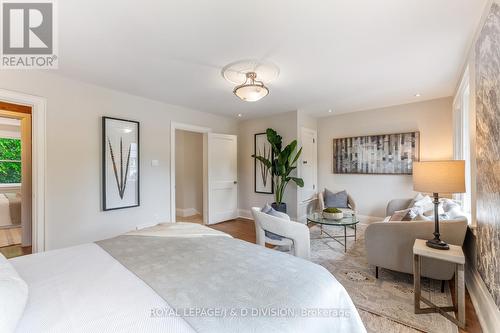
x,y
10,209
180,278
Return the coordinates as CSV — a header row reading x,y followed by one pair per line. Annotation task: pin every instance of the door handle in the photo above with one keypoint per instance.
x,y
235,182
304,162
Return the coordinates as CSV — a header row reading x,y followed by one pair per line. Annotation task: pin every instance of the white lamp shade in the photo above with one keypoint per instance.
x,y
251,92
439,176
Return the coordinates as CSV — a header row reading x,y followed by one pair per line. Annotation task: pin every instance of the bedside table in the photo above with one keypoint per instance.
x,y
454,255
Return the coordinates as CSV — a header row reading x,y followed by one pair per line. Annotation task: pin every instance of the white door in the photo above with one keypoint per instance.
x,y
222,178
307,164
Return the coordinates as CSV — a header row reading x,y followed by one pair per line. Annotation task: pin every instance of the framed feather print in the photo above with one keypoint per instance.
x,y
120,163
263,178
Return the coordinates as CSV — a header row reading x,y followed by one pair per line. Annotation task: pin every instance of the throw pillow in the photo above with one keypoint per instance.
x,y
452,210
401,215
267,209
418,197
336,200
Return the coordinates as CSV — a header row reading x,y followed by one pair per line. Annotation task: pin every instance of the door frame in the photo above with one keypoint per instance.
x,y
304,203
197,129
38,161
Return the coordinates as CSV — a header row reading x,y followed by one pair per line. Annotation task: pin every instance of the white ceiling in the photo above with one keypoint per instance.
x,y
340,55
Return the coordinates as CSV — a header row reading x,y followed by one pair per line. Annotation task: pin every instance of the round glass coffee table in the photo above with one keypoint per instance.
x,y
348,221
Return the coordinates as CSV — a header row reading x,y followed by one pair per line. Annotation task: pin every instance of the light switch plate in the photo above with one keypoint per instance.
x,y
155,163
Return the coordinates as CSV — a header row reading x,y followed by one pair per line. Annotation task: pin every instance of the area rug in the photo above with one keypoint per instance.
x,y
385,304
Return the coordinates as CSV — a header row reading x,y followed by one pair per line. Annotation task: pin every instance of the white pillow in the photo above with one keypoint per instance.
x,y
13,296
452,209
426,206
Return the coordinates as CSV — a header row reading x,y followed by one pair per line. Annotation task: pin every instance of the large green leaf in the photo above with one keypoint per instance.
x,y
298,181
274,139
265,161
297,156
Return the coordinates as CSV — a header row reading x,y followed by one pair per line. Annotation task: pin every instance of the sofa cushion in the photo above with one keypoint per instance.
x,y
336,200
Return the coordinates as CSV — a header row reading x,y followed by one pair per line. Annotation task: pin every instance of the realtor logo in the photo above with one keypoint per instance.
x,y
28,34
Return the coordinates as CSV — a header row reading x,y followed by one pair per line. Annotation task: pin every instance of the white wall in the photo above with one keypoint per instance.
x,y
372,192
188,173
286,125
10,128
73,193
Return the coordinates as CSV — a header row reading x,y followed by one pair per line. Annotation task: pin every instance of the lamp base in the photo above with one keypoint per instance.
x,y
437,244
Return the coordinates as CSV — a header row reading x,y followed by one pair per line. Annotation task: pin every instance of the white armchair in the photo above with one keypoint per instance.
x,y
294,234
350,203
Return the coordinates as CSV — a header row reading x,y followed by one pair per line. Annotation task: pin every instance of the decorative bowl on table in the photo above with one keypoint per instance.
x,y
333,214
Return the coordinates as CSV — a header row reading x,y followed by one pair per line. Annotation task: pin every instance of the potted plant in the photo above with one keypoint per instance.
x,y
281,166
333,213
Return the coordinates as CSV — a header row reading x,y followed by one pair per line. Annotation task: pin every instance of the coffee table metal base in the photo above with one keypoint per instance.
x,y
336,238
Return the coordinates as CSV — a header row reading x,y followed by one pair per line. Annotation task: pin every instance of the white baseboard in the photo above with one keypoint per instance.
x,y
245,214
486,309
183,212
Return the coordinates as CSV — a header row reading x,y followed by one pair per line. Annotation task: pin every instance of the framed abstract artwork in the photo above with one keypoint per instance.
x,y
120,163
392,154
263,179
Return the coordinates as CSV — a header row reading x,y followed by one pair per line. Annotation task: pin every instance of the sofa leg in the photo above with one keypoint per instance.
x,y
442,286
376,272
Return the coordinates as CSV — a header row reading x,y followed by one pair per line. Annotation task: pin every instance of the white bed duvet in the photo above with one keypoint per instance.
x,y
84,289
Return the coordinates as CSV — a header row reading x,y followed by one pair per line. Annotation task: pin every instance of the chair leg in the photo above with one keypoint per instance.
x,y
442,286
376,272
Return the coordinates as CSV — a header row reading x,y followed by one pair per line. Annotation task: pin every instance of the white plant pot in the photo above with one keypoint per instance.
x,y
333,216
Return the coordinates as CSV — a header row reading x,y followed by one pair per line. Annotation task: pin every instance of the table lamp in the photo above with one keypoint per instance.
x,y
438,177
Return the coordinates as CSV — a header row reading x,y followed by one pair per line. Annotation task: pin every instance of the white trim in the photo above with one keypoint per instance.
x,y
10,186
245,214
486,309
192,128
10,134
184,212
38,113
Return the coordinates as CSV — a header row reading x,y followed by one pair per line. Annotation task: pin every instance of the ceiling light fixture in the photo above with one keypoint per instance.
x,y
251,90
240,115
330,111
249,77
417,95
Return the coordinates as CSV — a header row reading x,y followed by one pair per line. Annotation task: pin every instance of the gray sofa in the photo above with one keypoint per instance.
x,y
390,244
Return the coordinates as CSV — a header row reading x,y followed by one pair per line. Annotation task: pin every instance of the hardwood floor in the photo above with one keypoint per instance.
x,y
15,251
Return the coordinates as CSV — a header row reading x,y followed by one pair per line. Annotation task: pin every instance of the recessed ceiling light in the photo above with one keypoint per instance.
x,y
330,111
417,95
240,115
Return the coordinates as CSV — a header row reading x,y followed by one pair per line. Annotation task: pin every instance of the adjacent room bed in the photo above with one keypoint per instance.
x,y
179,278
10,209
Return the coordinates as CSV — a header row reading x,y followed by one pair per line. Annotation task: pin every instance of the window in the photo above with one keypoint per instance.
x,y
462,139
10,161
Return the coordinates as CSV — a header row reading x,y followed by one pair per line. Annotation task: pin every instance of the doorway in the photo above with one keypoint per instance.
x,y
219,185
189,176
15,179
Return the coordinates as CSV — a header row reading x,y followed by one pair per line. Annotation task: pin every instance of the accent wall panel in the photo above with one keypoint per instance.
x,y
487,59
